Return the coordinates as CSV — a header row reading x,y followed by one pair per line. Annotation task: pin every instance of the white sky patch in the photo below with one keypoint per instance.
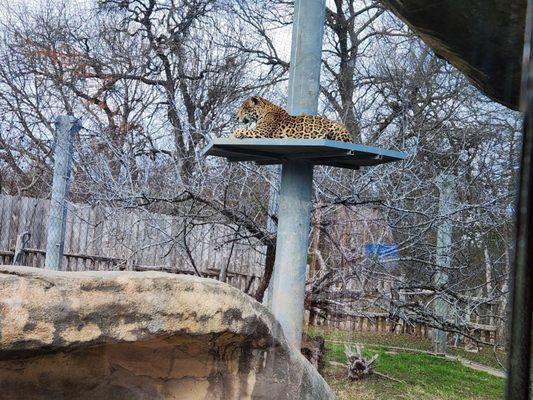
x,y
281,39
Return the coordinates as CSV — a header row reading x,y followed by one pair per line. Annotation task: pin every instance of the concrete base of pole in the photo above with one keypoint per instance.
x,y
294,218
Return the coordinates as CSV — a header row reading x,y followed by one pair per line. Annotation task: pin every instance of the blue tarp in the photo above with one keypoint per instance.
x,y
381,250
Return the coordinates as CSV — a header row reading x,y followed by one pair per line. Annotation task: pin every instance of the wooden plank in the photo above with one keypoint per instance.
x,y
38,234
119,236
209,251
175,234
73,244
91,221
98,230
69,225
152,238
25,218
168,237
106,232
14,222
142,239
4,200
84,234
7,210
130,240
134,245
159,240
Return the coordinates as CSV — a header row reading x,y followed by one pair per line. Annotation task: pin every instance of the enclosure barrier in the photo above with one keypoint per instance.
x,y
381,323
90,233
100,238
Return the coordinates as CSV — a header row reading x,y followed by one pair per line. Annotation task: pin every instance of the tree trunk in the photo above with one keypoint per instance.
x,y
358,366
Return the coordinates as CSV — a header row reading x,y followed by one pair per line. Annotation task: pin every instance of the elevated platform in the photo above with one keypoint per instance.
x,y
315,151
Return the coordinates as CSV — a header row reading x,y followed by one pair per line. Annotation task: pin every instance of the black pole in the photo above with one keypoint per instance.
x,y
518,382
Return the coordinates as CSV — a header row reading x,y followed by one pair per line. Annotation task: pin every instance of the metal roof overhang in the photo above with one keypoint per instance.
x,y
315,151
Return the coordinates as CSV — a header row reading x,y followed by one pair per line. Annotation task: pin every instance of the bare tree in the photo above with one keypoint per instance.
x,y
154,80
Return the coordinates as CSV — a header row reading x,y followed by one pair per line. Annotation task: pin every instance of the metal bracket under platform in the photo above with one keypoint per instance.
x,y
315,151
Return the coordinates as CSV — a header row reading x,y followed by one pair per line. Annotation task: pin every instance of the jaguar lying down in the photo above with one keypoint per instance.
x,y
274,122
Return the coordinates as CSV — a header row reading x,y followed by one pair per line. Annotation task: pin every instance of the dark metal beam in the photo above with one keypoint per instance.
x,y
519,373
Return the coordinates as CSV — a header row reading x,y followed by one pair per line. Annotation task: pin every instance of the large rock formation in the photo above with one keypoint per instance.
x,y
122,335
484,39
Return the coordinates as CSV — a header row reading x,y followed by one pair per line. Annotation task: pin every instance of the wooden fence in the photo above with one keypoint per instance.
x,y
100,238
381,323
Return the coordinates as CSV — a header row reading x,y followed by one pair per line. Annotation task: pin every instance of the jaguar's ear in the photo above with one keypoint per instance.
x,y
255,100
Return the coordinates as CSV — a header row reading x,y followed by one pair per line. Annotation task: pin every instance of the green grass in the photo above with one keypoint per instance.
x,y
422,376
486,356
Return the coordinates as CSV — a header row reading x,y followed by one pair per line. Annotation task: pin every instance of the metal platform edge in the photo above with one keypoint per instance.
x,y
242,144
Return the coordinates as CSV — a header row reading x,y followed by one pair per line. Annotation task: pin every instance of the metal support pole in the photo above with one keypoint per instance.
x,y
291,248
66,127
446,184
519,372
297,177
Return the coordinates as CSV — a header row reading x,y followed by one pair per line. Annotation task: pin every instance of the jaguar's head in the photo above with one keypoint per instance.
x,y
250,110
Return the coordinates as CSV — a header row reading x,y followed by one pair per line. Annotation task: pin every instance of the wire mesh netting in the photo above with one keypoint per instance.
x,y
154,82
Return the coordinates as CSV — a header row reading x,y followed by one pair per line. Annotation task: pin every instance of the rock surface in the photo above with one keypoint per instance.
x,y
135,335
484,39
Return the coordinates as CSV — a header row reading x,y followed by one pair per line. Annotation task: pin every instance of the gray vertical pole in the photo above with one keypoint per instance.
x,y
297,177
291,248
446,184
66,127
306,56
